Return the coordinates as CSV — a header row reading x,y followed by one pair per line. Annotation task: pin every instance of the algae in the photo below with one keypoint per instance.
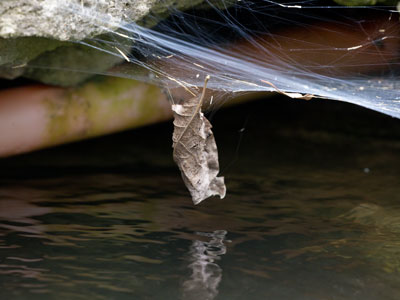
x,y
15,53
71,64
102,107
365,2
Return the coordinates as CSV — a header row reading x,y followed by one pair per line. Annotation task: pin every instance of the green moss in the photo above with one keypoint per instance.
x,y
145,103
16,52
163,8
51,61
74,63
97,107
366,2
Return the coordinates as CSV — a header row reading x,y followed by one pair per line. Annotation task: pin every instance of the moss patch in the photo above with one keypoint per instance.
x,y
366,2
102,107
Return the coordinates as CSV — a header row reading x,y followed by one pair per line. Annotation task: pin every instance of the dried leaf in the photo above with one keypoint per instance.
x,y
195,150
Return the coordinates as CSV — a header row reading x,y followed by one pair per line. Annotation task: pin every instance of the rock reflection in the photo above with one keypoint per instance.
x,y
206,273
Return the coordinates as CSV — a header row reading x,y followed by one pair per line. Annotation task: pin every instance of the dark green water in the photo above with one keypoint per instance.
x,y
312,212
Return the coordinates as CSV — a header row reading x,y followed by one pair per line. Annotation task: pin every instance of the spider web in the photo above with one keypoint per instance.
x,y
309,47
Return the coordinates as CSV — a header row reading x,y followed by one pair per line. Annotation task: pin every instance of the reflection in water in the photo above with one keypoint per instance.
x,y
206,273
69,236
306,221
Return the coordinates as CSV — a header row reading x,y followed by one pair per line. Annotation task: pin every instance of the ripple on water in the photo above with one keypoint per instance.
x,y
114,235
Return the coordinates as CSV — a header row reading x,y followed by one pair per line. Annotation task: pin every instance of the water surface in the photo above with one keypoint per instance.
x,y
312,212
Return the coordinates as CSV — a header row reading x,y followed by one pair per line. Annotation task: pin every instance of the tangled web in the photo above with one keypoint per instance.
x,y
302,49
329,51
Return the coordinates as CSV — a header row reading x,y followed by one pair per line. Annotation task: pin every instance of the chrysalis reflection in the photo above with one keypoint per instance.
x,y
206,273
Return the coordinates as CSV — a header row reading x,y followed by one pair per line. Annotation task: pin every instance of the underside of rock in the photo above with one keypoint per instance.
x,y
44,33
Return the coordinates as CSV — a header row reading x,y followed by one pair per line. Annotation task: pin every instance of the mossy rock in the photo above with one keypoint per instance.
x,y
72,63
366,2
46,53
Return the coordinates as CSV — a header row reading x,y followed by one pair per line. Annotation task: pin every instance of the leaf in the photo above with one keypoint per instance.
x,y
195,150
